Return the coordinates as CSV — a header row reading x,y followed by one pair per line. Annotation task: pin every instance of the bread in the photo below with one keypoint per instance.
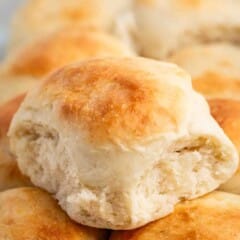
x,y
41,16
214,216
10,176
30,213
51,51
215,69
163,27
227,114
120,141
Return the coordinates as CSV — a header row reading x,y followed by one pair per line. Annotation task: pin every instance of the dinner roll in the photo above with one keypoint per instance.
x,y
40,16
227,114
30,213
120,141
166,26
213,217
33,61
215,69
10,175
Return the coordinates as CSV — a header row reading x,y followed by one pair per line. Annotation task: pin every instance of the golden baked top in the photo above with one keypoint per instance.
x,y
120,99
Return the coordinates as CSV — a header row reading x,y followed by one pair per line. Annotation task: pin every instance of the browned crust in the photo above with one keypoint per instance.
x,y
115,99
213,84
30,213
7,110
62,47
215,216
227,114
181,4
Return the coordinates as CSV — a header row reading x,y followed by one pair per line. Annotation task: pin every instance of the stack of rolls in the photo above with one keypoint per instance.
x,y
30,213
25,67
104,141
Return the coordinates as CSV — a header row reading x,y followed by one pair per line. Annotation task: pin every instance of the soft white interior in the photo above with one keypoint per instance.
x,y
184,170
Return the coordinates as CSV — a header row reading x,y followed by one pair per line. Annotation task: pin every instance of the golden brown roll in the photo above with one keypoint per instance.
x,y
212,217
39,16
120,141
29,63
10,175
227,114
31,214
215,69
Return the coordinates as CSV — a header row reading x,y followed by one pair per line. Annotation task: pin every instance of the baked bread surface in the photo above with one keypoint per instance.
x,y
120,141
214,216
31,213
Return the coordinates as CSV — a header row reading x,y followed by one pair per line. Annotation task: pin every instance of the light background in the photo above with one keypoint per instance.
x,y
7,9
